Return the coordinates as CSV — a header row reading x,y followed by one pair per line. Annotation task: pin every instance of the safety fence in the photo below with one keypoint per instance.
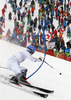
x,y
49,52
61,56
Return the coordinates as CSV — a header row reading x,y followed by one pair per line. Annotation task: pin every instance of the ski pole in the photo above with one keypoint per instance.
x,y
3,67
51,67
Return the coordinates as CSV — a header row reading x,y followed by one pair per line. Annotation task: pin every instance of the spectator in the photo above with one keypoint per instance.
x,y
63,48
1,31
32,10
10,16
57,45
3,12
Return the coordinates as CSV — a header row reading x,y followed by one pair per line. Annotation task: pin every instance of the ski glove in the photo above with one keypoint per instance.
x,y
37,60
40,58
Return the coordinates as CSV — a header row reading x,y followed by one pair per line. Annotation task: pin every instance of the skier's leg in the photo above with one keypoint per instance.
x,y
13,66
20,72
23,71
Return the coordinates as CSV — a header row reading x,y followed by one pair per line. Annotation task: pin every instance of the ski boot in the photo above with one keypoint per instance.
x,y
14,80
21,77
24,72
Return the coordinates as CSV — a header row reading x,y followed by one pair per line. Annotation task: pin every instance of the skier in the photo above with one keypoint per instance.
x,y
14,64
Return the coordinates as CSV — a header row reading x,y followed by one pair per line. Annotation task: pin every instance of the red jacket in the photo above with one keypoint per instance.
x,y
29,11
32,9
3,10
55,31
59,17
57,4
61,20
5,6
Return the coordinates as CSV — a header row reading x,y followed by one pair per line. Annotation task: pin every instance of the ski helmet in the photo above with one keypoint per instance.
x,y
31,49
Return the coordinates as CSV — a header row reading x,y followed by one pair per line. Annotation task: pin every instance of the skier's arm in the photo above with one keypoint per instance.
x,y
33,58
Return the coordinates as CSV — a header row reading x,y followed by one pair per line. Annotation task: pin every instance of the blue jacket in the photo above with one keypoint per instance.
x,y
46,8
54,39
48,22
18,8
64,23
63,48
14,34
25,0
68,49
52,13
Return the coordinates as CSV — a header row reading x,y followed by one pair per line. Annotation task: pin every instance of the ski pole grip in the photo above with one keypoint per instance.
x,y
40,58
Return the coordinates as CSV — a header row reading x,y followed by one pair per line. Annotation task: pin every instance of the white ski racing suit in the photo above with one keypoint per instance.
x,y
14,62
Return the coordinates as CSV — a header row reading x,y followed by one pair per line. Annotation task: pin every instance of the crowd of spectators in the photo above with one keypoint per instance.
x,y
30,16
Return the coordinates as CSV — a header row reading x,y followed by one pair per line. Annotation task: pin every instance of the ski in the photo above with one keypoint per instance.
x,y
38,88
5,80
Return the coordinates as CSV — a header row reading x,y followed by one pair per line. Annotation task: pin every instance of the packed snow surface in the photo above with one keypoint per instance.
x,y
46,77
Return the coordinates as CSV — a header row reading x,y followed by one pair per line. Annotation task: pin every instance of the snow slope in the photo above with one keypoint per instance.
x,y
46,77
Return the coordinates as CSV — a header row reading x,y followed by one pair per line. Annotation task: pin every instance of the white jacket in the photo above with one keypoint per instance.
x,y
21,56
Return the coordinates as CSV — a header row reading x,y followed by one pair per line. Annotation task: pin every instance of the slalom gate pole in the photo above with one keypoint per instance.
x,y
53,68
43,58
